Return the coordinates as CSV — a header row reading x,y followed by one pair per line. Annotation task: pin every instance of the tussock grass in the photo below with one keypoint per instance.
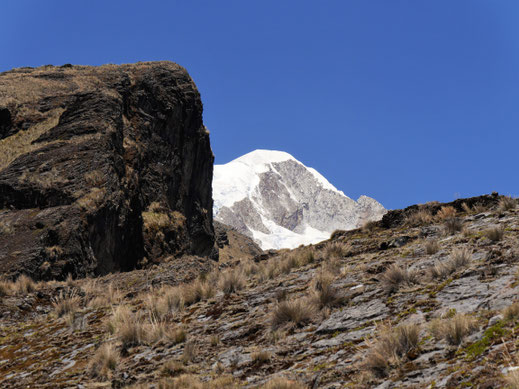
x,y
231,281
160,330
446,213
196,291
391,344
511,312
325,294
395,277
512,379
459,259
173,369
452,226
189,354
127,326
431,247
495,234
64,304
453,329
335,250
23,285
507,203
104,360
420,217
261,357
298,312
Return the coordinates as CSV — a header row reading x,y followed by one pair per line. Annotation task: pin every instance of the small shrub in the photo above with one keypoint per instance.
x,y
512,311
431,247
446,213
395,276
64,304
298,312
231,281
105,359
495,234
453,329
452,225
506,203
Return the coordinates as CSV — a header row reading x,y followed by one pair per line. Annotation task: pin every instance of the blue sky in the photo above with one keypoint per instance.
x,y
405,101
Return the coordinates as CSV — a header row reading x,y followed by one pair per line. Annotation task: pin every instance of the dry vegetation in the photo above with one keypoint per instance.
x,y
284,322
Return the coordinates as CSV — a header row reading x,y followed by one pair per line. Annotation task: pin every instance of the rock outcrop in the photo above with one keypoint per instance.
x,y
101,169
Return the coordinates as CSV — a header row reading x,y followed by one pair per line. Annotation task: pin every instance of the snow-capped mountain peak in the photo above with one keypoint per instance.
x,y
278,201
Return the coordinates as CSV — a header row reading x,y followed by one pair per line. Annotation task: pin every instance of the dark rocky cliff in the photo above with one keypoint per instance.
x,y
101,169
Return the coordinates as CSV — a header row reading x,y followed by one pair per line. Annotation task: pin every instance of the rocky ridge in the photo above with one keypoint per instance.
x,y
426,297
101,169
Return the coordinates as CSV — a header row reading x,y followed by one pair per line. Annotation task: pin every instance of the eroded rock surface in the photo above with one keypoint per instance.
x,y
101,169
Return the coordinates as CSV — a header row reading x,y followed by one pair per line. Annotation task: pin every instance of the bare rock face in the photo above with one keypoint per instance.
x,y
101,169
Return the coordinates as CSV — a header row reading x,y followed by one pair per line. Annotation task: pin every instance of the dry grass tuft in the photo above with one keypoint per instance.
x,y
391,344
105,359
6,288
459,259
395,276
325,294
453,329
431,247
298,312
261,357
511,312
420,217
65,304
446,213
159,330
189,354
507,203
512,379
335,250
196,291
231,281
128,327
495,234
23,285
452,226
173,369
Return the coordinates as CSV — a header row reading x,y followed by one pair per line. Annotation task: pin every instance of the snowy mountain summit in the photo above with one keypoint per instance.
x,y
280,203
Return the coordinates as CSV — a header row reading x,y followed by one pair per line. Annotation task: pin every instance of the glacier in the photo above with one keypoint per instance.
x,y
281,203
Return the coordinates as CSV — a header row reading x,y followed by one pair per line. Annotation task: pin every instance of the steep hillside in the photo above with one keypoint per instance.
x,y
280,203
101,169
425,298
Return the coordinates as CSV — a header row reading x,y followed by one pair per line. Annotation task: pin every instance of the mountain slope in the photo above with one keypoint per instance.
x,y
275,199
